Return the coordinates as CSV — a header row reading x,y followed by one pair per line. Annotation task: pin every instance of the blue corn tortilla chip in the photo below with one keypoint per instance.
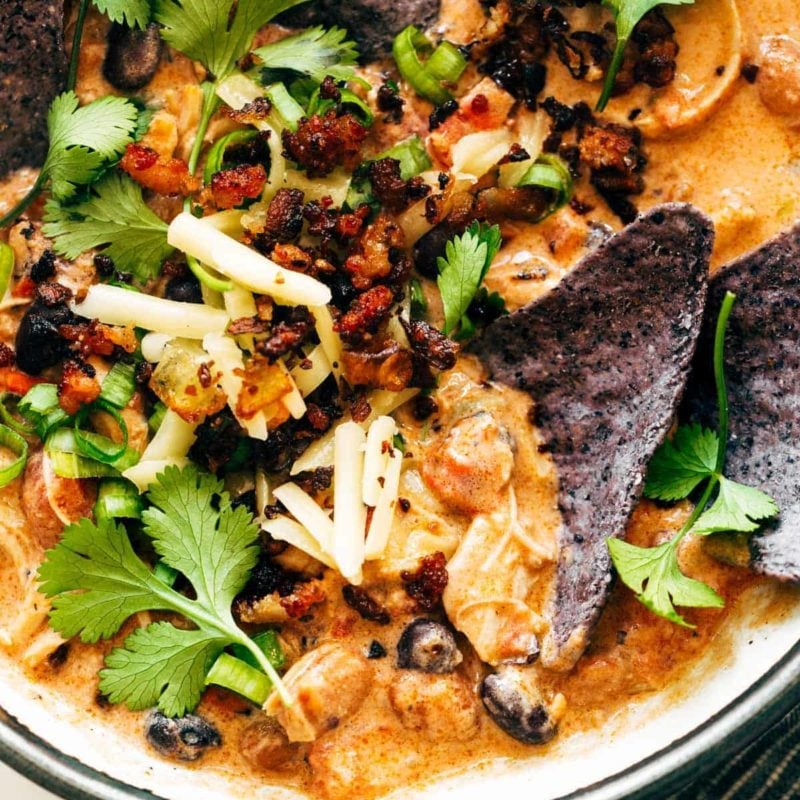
x,y
762,364
605,357
33,70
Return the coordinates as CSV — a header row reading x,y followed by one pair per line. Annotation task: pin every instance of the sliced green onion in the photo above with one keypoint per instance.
x,y
412,155
165,573
117,499
71,465
40,407
550,172
239,677
286,111
10,419
6,267
216,155
157,417
65,447
206,278
448,64
317,105
119,385
96,446
270,646
14,442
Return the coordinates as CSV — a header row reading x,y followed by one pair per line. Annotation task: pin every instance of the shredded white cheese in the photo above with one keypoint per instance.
x,y
153,345
380,527
307,512
145,472
349,511
115,306
293,400
307,380
287,530
243,265
329,339
376,457
174,438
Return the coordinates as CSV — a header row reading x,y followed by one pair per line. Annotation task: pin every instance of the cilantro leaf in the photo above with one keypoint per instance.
x,y
315,52
83,139
161,665
216,32
680,465
116,216
736,508
654,574
96,581
462,270
627,14
133,13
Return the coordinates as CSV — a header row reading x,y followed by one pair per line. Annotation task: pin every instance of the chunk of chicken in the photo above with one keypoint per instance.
x,y
469,470
327,685
495,577
779,77
438,707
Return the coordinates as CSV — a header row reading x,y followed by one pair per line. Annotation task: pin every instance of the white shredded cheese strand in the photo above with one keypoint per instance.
x,y
263,494
229,222
320,454
349,511
476,153
243,265
287,530
307,380
376,457
145,472
307,512
380,527
115,306
293,401
228,361
329,339
174,438
153,345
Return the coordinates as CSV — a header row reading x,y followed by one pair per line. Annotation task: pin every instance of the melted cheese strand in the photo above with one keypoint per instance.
x,y
349,512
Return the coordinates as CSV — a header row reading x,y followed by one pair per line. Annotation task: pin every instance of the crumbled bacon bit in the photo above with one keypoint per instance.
x,y
231,187
392,191
264,385
390,102
287,334
360,409
53,294
304,596
319,419
292,257
367,606
168,176
365,314
427,584
254,112
78,386
432,346
247,325
284,219
7,356
95,338
328,90
316,480
384,365
323,143
372,256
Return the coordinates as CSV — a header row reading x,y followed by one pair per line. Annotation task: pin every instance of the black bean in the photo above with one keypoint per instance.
x,y
38,344
516,707
184,739
184,289
428,646
132,57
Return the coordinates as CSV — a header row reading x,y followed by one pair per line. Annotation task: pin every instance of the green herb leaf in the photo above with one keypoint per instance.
x,y
83,140
736,508
97,581
216,32
680,465
315,53
654,574
116,217
627,14
462,270
133,13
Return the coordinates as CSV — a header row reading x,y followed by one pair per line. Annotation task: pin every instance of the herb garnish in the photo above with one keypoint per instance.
x,y
694,456
461,272
114,214
133,13
627,14
83,142
97,582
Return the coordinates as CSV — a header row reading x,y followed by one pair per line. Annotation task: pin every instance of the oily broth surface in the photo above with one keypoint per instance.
x,y
740,166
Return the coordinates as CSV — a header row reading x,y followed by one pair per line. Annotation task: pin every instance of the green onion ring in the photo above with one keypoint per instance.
x,y
14,442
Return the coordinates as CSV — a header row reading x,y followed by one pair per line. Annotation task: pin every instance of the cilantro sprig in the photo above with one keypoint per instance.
x,y
84,141
627,15
461,272
694,457
97,581
113,215
134,13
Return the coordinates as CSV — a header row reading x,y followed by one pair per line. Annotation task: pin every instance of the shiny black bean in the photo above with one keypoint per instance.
x,y
38,344
428,646
516,707
184,289
132,57
183,739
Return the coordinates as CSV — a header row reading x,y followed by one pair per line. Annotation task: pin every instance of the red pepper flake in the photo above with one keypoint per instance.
x,y
428,583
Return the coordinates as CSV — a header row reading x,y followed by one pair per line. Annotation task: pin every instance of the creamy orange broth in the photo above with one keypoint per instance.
x,y
739,165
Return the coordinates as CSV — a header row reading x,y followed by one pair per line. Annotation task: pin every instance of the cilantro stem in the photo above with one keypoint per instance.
x,y
722,423
611,75
26,201
75,53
